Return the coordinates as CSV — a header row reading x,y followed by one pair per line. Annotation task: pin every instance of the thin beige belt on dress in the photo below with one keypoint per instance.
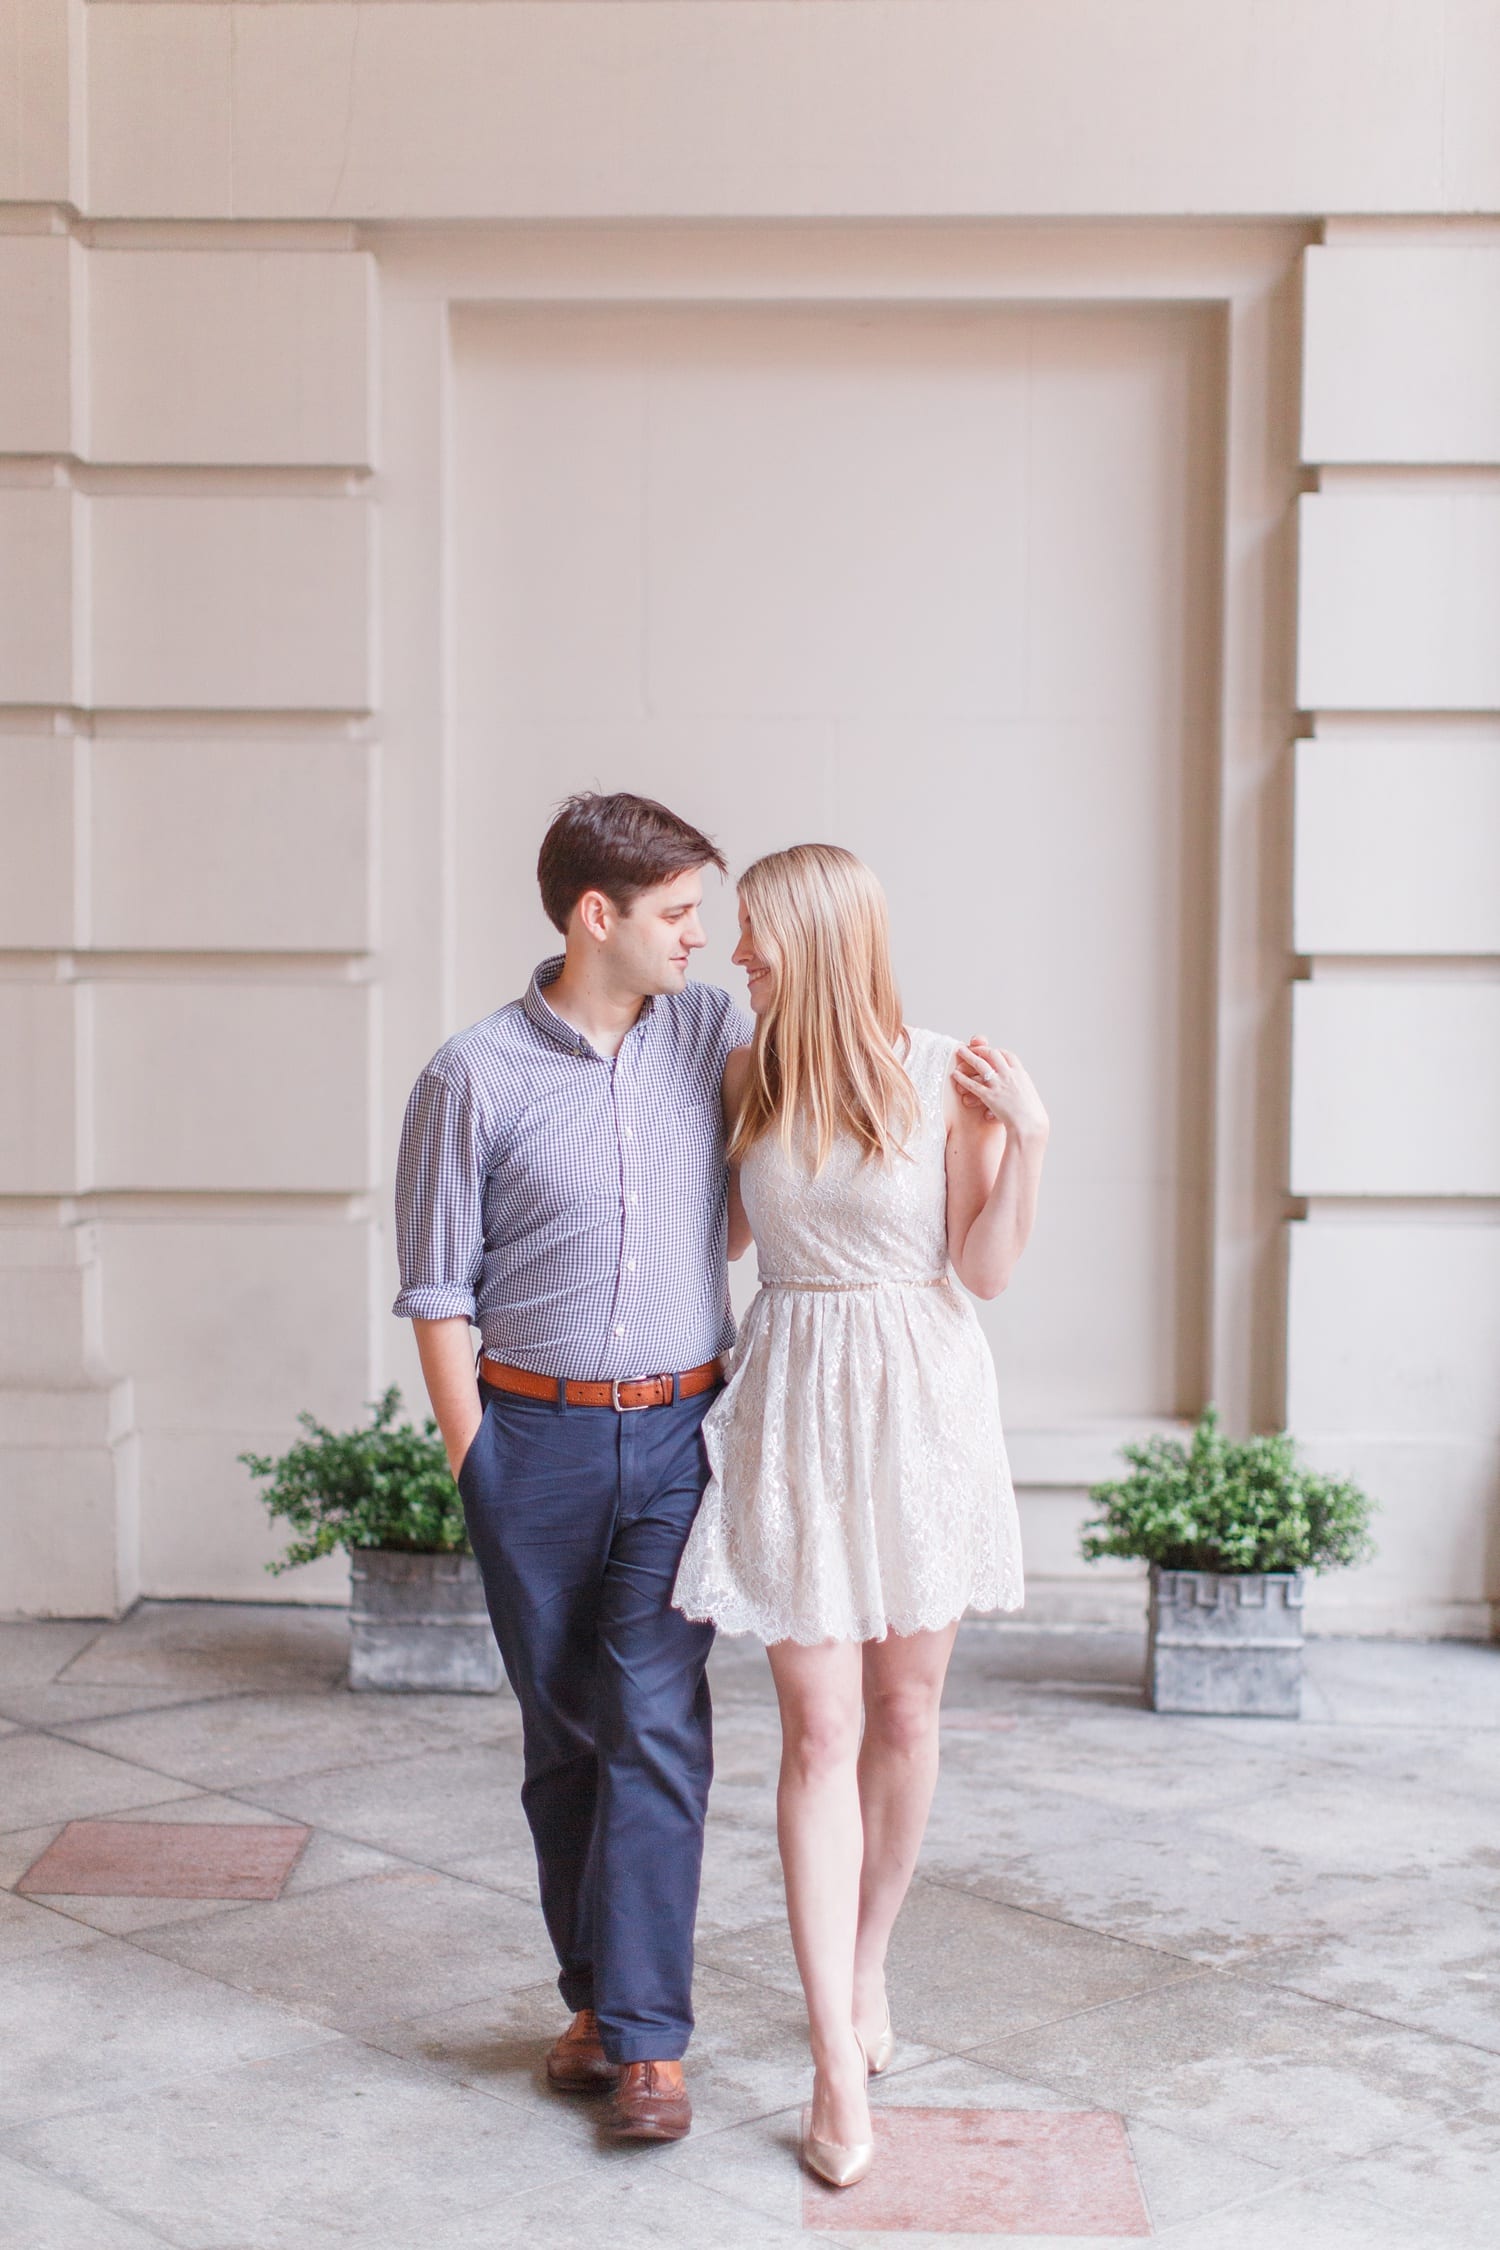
x,y
886,1281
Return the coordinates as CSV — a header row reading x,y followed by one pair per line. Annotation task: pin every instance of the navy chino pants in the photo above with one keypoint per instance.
x,y
578,1517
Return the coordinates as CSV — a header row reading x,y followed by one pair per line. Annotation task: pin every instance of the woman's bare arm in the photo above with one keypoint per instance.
x,y
731,1087
997,1139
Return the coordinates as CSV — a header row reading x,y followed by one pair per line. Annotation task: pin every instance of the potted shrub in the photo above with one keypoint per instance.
x,y
416,1612
1228,1527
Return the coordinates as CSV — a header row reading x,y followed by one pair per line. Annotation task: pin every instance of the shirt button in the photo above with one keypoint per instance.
x,y
633,1198
628,1133
619,1331
630,1265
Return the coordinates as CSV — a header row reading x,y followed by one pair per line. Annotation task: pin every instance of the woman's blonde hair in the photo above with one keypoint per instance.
x,y
824,1057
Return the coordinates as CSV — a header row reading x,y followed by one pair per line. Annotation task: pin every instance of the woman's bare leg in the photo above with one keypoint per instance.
x,y
898,1764
817,1827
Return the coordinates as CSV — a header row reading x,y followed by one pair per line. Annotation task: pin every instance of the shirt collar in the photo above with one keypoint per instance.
x,y
547,1019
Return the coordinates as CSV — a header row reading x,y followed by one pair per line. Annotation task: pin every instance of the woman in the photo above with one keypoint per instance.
x,y
860,1500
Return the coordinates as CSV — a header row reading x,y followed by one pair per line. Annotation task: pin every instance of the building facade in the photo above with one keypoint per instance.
x,y
1053,450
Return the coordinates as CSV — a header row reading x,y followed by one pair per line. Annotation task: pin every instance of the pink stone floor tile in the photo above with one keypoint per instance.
x,y
989,2171
165,1859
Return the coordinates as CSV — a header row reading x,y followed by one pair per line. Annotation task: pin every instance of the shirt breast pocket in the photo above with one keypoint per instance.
x,y
559,1161
695,1137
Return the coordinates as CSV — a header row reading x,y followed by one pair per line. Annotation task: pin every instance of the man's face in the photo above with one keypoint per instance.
x,y
649,948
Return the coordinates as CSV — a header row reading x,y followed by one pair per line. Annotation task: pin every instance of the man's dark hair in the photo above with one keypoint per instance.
x,y
621,845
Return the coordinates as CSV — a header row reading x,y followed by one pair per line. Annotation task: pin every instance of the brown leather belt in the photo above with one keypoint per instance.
x,y
626,1398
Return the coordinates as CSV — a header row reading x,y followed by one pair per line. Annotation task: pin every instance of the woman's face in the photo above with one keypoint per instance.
x,y
757,970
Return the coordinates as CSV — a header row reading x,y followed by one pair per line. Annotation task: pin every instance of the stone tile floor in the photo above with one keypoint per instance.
x,y
1229,1985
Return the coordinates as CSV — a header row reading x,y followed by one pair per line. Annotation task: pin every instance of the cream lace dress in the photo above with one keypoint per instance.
x,y
859,1483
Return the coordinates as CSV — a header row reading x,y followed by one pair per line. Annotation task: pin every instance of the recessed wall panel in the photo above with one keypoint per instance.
x,y
1394,1329
1398,847
1398,592
205,1535
40,1040
231,846
236,1321
38,104
1396,1088
36,343
42,538
1401,353
935,585
223,356
37,816
232,602
203,1085
1432,1573
160,137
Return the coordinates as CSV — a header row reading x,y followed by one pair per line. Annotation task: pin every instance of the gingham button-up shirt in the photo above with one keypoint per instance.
x,y
573,1204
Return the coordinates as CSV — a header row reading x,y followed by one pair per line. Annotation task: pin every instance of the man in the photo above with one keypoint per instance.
x,y
562,1184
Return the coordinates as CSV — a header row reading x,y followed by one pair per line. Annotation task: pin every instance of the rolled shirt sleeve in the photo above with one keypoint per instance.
x,y
439,1218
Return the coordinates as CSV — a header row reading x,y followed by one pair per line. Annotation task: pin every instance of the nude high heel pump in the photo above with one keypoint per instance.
x,y
841,2167
883,2053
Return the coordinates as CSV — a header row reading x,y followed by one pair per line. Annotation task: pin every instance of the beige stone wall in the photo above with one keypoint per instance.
x,y
1393,1368
188,762
269,774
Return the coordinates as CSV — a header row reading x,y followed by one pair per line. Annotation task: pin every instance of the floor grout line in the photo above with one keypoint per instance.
x,y
225,1789
106,1624
1215,2141
1373,2015
319,1890
58,1727
97,2203
1233,1974
1058,1921
1181,2228
502,2197
1238,1962
1069,2015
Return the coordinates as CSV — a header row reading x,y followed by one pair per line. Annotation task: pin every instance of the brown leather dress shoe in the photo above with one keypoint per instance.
x,y
651,2103
577,2063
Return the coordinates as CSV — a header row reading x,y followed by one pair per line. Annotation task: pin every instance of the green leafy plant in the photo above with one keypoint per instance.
x,y
385,1486
1227,1504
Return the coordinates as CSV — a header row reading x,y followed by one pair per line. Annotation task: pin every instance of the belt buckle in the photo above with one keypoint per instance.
x,y
618,1403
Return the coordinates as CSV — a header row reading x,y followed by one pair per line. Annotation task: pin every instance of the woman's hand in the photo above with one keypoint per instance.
x,y
994,1161
994,1087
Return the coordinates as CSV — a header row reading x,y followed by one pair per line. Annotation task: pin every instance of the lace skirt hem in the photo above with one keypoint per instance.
x,y
731,1613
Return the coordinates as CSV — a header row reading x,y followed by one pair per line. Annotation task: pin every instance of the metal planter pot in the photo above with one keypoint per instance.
x,y
419,1621
1226,1642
